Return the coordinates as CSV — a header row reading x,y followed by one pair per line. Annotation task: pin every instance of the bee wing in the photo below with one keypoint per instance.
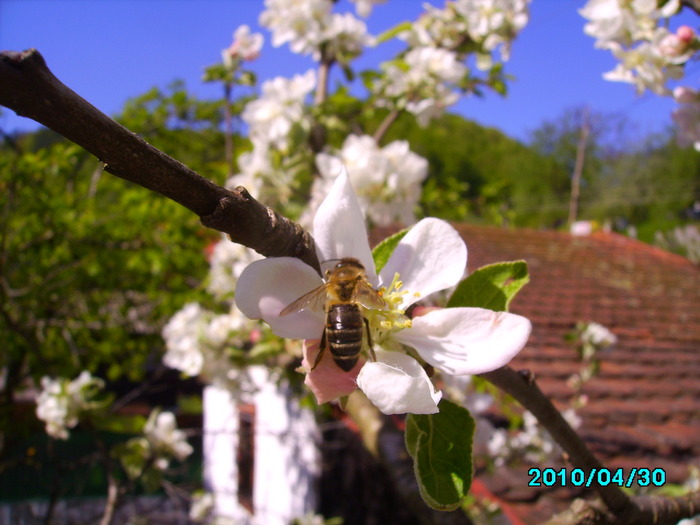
x,y
314,300
368,296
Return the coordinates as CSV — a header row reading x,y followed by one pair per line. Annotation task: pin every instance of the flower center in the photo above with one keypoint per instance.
x,y
383,323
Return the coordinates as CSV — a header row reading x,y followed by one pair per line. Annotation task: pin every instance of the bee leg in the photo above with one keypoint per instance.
x,y
369,340
321,348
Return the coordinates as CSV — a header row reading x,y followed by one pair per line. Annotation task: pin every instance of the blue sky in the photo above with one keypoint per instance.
x,y
111,50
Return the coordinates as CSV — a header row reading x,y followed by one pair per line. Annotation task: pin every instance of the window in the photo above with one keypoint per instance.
x,y
245,455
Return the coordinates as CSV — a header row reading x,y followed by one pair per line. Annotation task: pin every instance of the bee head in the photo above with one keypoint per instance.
x,y
345,267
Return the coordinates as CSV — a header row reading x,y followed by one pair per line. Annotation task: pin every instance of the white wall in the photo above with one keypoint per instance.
x,y
286,453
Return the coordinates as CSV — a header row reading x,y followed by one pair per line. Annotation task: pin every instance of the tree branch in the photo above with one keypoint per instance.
x,y
620,509
692,4
29,88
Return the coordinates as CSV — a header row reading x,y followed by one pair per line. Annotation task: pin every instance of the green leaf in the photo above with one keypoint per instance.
x,y
391,33
384,249
121,424
492,286
441,447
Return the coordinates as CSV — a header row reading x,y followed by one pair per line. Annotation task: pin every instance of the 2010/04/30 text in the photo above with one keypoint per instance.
x,y
577,477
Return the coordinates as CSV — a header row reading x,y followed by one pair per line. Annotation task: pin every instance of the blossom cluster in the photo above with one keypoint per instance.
x,y
160,442
687,116
532,443
387,180
650,55
268,170
201,343
245,46
311,28
422,82
280,106
165,439
635,32
427,78
62,401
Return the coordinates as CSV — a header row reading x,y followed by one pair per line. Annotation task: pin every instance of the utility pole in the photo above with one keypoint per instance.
x,y
578,168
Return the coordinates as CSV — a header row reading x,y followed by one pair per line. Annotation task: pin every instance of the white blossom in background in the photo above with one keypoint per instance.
x,y
387,181
198,343
486,23
182,334
309,25
165,439
346,37
245,46
61,402
226,262
494,23
624,22
677,47
298,22
436,27
597,335
532,444
423,82
645,66
280,106
682,239
636,33
687,116
460,390
364,7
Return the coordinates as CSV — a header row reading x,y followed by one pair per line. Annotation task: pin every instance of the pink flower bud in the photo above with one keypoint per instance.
x,y
685,34
684,95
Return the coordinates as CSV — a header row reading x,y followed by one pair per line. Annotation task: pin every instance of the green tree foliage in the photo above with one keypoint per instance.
x,y
481,175
182,126
91,266
648,183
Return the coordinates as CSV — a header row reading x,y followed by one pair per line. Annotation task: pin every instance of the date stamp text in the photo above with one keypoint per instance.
x,y
576,477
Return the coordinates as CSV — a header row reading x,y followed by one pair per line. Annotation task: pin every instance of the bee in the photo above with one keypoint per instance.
x,y
345,290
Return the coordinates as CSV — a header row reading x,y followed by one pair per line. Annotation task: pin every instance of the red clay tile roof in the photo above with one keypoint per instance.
x,y
644,405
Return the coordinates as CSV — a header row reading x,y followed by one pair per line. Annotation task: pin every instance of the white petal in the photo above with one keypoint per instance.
x,y
265,287
467,340
339,227
431,257
397,384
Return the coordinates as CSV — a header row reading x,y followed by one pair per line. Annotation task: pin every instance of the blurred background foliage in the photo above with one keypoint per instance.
x,y
91,266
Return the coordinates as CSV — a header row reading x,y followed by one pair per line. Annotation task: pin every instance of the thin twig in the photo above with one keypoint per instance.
x,y
620,509
385,125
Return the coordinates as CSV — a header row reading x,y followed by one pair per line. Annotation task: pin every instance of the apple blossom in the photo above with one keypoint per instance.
x,y
198,343
309,25
245,46
387,181
364,7
644,66
281,106
624,22
61,402
299,22
429,258
165,439
597,335
687,116
346,37
494,23
422,82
